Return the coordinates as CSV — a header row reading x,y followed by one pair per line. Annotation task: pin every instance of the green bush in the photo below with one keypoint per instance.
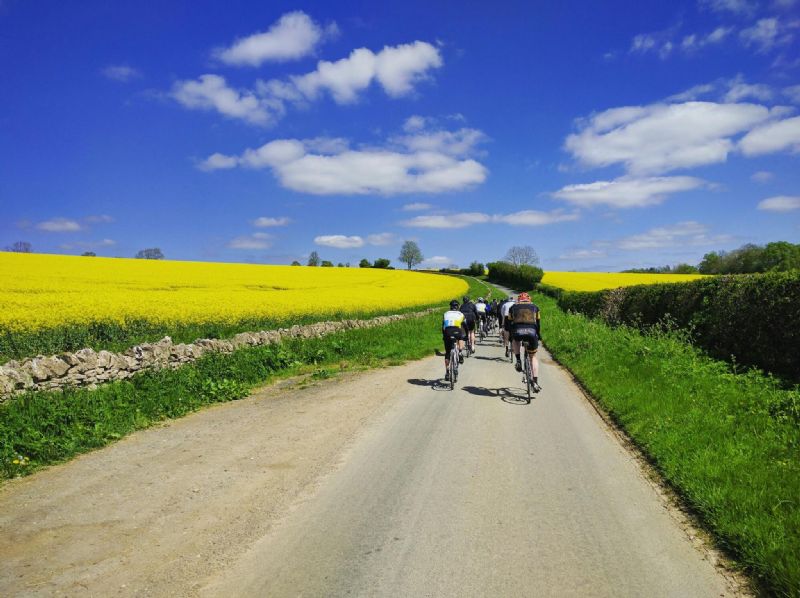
x,y
753,319
520,278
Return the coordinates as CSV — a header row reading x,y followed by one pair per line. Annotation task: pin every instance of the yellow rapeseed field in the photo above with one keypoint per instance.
x,y
45,291
597,281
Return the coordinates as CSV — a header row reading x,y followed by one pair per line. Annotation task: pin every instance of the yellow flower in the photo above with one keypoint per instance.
x,y
597,281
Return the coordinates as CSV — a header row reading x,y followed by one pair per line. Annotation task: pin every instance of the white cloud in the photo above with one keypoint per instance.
x,y
448,220
99,219
88,245
218,161
780,203
354,172
688,233
121,73
772,137
437,260
266,222
59,225
293,36
692,93
662,137
762,176
793,93
380,239
453,143
738,7
416,207
254,241
464,219
211,92
339,241
535,217
583,254
739,90
397,69
414,123
627,192
765,35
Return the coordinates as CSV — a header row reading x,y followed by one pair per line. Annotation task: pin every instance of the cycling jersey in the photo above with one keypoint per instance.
x,y
525,316
452,319
505,307
469,311
481,308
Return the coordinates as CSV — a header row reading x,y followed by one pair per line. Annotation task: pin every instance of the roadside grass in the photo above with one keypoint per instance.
x,y
42,428
728,442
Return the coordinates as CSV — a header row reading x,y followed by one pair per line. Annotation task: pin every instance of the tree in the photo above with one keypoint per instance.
x,y
684,269
296,263
381,262
340,265
326,264
476,269
313,259
151,253
89,254
364,263
20,247
522,255
410,254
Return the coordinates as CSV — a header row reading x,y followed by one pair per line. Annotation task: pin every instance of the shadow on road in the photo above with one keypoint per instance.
x,y
512,396
500,359
438,384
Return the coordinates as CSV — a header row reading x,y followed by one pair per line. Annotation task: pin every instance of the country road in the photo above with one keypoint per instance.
x,y
374,484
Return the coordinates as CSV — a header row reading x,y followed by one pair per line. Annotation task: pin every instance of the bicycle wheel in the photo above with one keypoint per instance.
x,y
527,369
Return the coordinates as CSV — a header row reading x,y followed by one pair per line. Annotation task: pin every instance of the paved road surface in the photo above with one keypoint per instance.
x,y
378,484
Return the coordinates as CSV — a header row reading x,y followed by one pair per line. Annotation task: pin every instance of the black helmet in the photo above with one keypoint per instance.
x,y
466,299
453,304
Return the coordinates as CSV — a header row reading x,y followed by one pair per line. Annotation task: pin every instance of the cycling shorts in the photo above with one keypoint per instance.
x,y
469,324
450,335
526,334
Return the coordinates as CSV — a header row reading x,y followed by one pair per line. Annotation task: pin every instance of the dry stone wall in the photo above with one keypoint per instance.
x,y
88,367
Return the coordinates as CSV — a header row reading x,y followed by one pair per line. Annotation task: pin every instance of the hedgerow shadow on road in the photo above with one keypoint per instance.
x,y
512,396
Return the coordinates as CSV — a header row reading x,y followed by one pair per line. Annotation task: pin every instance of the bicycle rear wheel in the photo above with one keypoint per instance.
x,y
527,369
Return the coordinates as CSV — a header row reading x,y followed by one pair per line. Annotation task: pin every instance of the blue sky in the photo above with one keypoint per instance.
x,y
631,135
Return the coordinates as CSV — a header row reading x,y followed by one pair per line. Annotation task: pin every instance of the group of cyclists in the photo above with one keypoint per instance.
x,y
519,321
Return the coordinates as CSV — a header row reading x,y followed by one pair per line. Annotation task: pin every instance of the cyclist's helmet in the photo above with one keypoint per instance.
x,y
523,297
480,300
454,304
466,299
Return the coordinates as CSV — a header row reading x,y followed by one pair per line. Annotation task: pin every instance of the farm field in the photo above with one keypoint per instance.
x,y
50,303
597,281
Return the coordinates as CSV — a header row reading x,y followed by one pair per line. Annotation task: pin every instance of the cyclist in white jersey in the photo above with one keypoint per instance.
x,y
480,307
452,327
504,309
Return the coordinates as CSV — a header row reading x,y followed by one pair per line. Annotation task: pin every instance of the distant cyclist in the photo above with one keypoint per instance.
x,y
504,322
526,325
480,307
452,331
470,317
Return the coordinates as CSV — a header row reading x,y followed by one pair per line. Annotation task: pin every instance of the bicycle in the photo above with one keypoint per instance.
x,y
527,369
453,367
481,331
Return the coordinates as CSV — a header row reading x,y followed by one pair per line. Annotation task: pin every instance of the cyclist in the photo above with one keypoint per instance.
x,y
498,313
452,330
470,317
504,322
526,325
480,307
489,315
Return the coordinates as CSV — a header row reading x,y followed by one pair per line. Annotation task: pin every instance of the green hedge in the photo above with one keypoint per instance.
x,y
752,319
520,278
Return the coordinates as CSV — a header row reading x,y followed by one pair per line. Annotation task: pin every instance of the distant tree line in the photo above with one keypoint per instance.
x,y
779,256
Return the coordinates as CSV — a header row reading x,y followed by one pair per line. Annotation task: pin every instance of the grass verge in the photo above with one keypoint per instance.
x,y
728,443
41,428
